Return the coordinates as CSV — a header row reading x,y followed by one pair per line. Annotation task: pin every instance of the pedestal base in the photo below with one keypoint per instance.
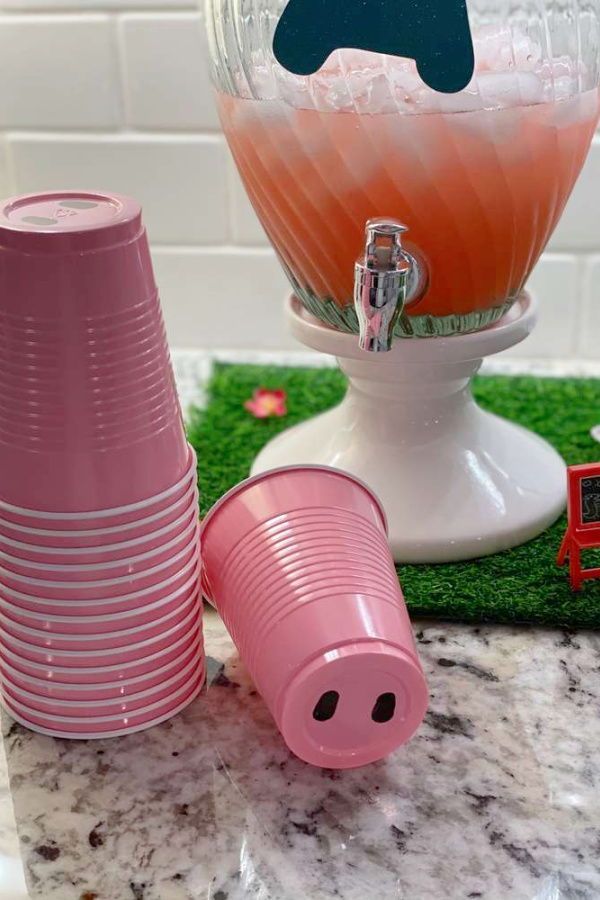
x,y
456,482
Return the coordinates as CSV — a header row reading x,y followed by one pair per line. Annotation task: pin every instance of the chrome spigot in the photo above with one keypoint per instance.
x,y
386,279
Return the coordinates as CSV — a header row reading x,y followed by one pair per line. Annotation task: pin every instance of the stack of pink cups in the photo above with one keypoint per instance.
x,y
100,610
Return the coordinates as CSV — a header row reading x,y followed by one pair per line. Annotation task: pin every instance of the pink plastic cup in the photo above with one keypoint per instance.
x,y
94,657
316,612
80,321
25,548
84,538
100,588
73,675
105,640
144,725
132,514
103,726
99,625
108,707
77,569
105,605
53,690
129,604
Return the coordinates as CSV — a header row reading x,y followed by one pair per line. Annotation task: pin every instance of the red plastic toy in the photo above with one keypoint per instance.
x,y
583,531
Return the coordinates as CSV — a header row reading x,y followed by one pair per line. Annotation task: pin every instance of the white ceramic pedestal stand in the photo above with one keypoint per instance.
x,y
457,482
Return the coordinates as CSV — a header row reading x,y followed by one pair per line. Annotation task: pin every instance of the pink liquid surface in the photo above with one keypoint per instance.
x,y
481,191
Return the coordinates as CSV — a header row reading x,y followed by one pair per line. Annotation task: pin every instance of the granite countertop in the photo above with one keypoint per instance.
x,y
497,797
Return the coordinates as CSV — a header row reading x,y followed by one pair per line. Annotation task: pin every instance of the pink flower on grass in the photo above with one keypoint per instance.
x,y
266,404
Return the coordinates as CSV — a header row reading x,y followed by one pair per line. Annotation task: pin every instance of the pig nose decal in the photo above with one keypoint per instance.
x,y
384,708
326,706
435,33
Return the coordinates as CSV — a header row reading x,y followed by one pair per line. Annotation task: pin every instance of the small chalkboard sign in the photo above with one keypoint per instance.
x,y
583,531
590,500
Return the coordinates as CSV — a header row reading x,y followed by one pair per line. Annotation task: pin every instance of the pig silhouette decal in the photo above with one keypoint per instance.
x,y
435,33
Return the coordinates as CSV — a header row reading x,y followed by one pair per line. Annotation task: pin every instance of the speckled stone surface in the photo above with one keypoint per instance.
x,y
497,797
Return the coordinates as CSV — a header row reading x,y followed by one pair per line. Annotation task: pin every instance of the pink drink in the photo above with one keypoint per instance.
x,y
481,178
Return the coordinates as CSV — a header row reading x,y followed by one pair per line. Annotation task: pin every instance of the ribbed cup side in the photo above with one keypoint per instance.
x,y
30,381
268,579
102,383
292,523
36,652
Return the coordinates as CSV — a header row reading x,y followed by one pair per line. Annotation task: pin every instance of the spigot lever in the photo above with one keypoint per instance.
x,y
385,279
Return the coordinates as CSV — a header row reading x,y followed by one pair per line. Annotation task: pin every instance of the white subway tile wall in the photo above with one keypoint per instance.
x,y
224,297
556,282
590,327
181,183
5,180
59,72
166,79
579,227
114,95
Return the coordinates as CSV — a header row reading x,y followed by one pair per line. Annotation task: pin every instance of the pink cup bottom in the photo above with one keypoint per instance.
x,y
111,691
135,723
360,674
108,673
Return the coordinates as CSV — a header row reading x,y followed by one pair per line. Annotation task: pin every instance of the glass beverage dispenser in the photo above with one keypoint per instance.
x,y
458,193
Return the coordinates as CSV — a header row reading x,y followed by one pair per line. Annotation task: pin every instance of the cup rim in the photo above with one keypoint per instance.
x,y
77,720
100,670
57,568
107,513
100,583
105,735
98,532
110,651
280,470
53,550
102,636
98,704
103,685
105,617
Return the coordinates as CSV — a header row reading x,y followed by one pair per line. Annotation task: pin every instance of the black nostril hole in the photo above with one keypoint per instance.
x,y
384,708
326,706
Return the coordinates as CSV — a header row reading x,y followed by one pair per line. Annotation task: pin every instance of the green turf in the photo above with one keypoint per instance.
x,y
521,585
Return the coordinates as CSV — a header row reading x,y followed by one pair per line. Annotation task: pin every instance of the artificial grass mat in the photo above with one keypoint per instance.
x,y
522,585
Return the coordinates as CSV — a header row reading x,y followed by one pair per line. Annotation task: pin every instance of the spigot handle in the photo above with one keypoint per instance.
x,y
386,278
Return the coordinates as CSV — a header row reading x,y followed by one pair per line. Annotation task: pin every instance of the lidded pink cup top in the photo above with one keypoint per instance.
x,y
90,416
42,239
318,617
